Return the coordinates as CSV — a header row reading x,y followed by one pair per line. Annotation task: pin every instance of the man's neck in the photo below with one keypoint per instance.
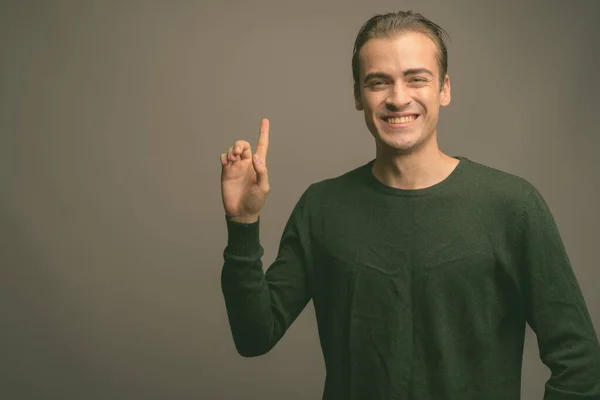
x,y
412,171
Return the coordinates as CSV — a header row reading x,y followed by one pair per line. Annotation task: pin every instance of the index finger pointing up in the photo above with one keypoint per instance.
x,y
263,140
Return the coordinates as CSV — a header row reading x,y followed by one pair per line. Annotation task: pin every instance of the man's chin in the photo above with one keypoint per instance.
x,y
396,146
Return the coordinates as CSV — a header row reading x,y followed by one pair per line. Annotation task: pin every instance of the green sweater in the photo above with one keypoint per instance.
x,y
419,294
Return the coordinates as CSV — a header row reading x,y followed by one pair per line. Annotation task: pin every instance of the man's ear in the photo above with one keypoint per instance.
x,y
445,95
357,99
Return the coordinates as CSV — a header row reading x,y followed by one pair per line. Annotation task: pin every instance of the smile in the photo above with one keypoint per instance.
x,y
401,122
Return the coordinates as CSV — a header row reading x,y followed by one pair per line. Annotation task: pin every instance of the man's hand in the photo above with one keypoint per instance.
x,y
244,179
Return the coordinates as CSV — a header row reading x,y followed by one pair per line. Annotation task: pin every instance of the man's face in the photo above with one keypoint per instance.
x,y
399,76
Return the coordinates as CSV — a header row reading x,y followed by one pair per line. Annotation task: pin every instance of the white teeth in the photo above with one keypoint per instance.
x,y
402,120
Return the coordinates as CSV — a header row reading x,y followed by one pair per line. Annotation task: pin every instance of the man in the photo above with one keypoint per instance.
x,y
423,268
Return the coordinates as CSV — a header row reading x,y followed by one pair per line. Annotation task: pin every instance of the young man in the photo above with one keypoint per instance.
x,y
423,268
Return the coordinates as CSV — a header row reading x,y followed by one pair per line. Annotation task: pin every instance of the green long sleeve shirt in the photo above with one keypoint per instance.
x,y
419,294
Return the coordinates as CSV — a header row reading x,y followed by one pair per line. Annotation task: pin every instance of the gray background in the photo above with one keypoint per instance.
x,y
113,115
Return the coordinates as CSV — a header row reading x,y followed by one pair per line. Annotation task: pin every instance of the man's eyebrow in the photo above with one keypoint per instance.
x,y
416,71
407,72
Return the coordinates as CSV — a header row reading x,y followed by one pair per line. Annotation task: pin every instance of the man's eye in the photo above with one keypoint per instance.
x,y
418,80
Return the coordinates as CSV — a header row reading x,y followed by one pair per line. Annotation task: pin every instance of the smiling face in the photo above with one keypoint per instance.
x,y
399,78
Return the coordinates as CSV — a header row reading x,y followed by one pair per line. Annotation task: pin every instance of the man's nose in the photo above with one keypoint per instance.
x,y
398,96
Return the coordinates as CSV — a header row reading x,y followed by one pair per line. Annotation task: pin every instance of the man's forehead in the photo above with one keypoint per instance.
x,y
406,51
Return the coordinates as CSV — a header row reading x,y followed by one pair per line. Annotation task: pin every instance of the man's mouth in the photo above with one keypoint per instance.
x,y
404,120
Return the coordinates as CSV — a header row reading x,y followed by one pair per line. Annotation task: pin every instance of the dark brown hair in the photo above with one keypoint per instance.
x,y
393,23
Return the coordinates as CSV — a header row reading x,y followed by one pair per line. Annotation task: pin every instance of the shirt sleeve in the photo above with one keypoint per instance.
x,y
556,310
262,305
